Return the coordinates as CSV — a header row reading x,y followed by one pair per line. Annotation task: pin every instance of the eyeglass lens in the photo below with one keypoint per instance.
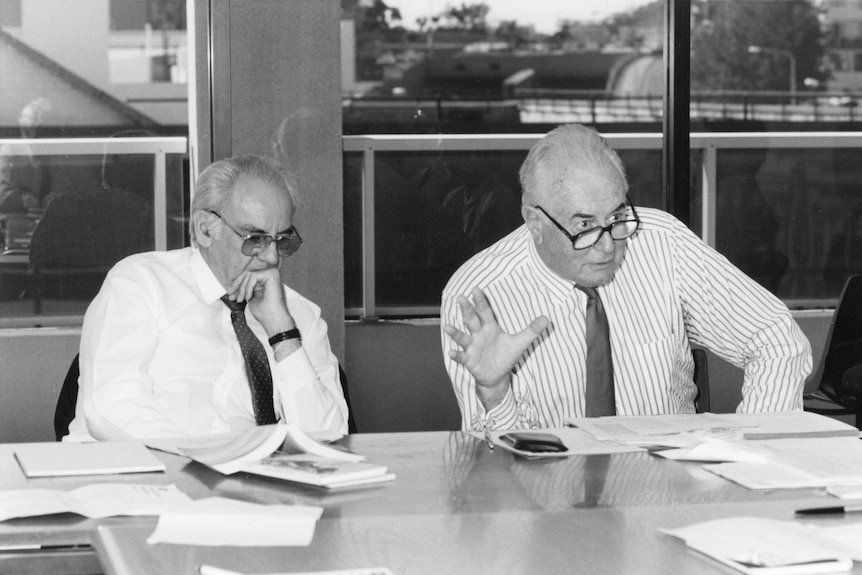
x,y
618,231
286,245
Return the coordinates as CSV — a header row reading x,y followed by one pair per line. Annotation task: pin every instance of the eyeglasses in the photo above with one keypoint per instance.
x,y
254,243
618,230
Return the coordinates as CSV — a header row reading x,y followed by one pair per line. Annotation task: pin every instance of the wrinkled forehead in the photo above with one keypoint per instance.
x,y
599,182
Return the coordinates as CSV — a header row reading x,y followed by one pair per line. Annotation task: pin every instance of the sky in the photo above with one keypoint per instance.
x,y
543,14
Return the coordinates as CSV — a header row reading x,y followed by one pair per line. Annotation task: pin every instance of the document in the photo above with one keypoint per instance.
x,y
94,501
767,546
95,458
798,463
649,429
217,521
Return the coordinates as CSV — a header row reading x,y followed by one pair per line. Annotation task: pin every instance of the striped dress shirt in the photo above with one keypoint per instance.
x,y
671,291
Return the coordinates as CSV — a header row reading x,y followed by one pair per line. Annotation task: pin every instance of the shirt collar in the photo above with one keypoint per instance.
x,y
559,288
209,286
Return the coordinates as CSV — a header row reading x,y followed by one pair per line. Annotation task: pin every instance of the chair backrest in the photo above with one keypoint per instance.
x,y
351,421
843,347
701,380
91,229
64,413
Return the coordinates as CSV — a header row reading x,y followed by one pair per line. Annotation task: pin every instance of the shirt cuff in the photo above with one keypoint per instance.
x,y
503,415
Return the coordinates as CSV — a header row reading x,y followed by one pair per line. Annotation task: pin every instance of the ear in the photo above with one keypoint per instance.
x,y
534,224
205,229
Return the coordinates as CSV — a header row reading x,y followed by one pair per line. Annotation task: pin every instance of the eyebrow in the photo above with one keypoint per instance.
x,y
622,206
250,230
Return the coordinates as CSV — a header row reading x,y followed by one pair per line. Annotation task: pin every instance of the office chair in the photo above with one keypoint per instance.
x,y
834,387
82,235
701,380
351,421
64,412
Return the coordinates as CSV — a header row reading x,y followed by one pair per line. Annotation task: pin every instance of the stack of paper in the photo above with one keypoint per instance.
x,y
758,546
797,463
656,428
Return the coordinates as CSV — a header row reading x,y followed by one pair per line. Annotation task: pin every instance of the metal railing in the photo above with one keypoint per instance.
x,y
709,144
159,148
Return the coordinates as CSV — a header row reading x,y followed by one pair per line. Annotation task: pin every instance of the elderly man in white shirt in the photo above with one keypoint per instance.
x,y
516,318
159,354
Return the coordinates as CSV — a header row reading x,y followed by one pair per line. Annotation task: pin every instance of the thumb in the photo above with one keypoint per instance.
x,y
531,332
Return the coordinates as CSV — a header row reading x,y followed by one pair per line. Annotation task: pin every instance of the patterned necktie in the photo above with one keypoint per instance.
x,y
600,366
256,364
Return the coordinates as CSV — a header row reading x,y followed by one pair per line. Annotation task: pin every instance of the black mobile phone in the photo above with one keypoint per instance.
x,y
534,442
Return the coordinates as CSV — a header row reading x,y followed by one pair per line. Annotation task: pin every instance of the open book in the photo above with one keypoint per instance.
x,y
283,451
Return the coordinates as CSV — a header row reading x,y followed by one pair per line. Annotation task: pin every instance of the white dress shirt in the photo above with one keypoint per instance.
x,y
160,358
671,290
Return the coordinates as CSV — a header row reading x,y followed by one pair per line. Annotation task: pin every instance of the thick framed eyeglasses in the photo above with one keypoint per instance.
x,y
254,243
618,230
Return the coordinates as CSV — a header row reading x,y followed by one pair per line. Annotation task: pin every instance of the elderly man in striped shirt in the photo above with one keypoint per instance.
x,y
526,322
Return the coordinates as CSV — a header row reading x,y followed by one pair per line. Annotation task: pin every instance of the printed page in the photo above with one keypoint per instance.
x,y
757,545
217,521
638,428
94,501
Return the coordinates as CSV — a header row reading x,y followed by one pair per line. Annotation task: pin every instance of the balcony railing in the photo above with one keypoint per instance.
x,y
809,182
416,207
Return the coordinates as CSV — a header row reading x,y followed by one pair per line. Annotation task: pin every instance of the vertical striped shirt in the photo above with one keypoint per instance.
x,y
671,291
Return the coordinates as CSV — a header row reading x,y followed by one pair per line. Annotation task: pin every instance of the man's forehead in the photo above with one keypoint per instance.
x,y
587,187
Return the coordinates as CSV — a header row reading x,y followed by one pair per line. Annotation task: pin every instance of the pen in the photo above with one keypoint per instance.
x,y
33,547
489,441
830,510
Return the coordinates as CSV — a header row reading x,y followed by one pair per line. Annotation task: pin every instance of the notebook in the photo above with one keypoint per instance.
x,y
95,458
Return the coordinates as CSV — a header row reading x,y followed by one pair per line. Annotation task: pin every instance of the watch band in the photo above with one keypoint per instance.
x,y
285,335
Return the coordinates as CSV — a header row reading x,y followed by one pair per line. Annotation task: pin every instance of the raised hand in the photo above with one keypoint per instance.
x,y
488,352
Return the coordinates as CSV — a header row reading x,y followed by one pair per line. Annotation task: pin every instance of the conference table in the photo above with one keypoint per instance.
x,y
456,506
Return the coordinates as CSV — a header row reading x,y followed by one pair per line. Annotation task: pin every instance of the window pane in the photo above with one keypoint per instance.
x,y
91,169
781,77
493,68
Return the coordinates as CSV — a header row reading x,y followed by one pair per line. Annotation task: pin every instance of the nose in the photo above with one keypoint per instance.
x,y
605,243
269,254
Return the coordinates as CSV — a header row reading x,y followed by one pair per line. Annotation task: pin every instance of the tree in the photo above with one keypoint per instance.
x,y
374,22
470,17
375,16
723,31
514,34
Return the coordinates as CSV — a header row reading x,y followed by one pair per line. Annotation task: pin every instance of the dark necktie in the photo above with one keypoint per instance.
x,y
256,364
600,367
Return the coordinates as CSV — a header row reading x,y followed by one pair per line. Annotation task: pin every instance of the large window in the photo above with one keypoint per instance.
x,y
441,105
91,170
771,175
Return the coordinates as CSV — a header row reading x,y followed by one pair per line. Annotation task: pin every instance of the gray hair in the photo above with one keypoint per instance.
x,y
217,182
572,145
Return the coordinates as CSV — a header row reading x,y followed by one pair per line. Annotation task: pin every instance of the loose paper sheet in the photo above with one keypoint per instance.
x,y
96,500
797,463
217,521
750,544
